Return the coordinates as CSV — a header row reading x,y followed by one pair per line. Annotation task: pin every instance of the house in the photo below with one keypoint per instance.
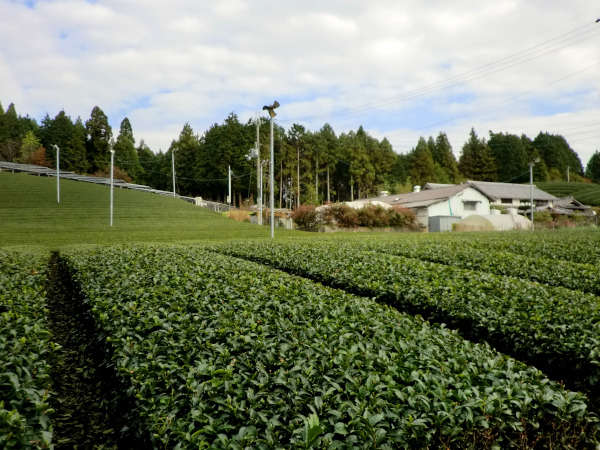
x,y
568,206
512,195
452,201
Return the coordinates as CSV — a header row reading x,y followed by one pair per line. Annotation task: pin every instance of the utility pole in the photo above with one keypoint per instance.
x,y
258,171
298,168
112,162
351,189
272,114
229,186
531,164
57,148
271,180
173,169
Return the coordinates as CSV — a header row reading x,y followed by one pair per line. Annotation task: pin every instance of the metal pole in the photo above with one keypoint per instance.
x,y
112,161
229,186
272,182
57,173
173,169
531,192
258,171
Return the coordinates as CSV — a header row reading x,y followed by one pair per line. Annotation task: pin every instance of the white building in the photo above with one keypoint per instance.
x,y
512,195
456,201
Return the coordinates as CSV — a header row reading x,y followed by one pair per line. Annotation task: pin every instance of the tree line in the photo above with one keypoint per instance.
x,y
310,166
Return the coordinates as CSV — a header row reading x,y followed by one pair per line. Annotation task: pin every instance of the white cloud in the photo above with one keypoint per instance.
x,y
343,62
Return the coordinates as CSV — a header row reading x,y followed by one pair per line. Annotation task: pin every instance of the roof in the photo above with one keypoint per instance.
x,y
496,191
424,198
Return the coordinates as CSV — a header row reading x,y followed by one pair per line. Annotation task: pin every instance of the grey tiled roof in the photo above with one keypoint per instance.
x,y
496,191
424,198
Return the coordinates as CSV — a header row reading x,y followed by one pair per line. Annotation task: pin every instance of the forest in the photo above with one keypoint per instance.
x,y
311,166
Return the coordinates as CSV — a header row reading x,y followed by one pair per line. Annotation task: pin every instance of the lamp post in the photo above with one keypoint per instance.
x,y
173,170
57,148
112,161
272,114
258,171
531,164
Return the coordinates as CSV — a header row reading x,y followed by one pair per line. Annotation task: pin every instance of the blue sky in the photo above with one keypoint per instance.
x,y
399,68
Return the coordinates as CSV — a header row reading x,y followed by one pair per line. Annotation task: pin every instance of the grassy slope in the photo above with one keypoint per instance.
x,y
586,193
30,216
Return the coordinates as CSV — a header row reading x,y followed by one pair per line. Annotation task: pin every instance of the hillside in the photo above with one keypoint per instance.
x,y
586,193
29,215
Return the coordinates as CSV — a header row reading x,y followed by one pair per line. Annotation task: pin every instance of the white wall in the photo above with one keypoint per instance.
x,y
455,205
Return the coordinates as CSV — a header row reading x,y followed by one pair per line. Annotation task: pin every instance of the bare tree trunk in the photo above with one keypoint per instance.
x,y
280,183
317,180
351,189
328,197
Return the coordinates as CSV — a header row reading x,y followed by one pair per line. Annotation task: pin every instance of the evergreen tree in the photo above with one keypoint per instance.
x,y
557,154
126,156
476,160
592,170
511,157
99,134
444,157
422,166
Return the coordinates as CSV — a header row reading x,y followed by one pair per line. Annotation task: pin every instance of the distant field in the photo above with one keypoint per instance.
x,y
30,216
586,193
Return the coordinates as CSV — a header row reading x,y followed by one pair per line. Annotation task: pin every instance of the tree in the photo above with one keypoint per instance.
x,y
443,156
592,170
511,157
476,160
421,162
69,137
126,156
557,154
29,145
99,134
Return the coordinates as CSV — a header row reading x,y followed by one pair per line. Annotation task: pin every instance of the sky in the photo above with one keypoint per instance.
x,y
400,68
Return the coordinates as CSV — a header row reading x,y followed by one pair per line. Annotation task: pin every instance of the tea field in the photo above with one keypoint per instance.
x,y
366,340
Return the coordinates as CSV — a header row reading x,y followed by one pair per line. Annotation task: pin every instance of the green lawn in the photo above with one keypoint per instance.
x,y
30,216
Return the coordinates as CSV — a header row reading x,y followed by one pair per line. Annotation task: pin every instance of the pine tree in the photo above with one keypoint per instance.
x,y
476,160
592,170
422,166
444,156
511,157
99,134
126,156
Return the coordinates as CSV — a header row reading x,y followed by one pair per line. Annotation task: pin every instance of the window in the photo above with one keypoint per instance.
x,y
470,205
506,201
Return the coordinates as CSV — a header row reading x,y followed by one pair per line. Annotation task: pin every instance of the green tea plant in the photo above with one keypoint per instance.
x,y
550,327
225,353
24,346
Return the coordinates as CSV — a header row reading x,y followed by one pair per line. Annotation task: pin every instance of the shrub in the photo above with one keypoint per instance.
x,y
239,215
342,215
373,216
306,218
402,217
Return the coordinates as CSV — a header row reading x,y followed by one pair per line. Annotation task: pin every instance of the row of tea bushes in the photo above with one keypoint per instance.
x,y
554,272
225,353
24,348
550,327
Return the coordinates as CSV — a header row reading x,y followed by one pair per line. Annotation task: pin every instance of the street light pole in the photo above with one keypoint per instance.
x,y
173,169
112,162
57,148
272,114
